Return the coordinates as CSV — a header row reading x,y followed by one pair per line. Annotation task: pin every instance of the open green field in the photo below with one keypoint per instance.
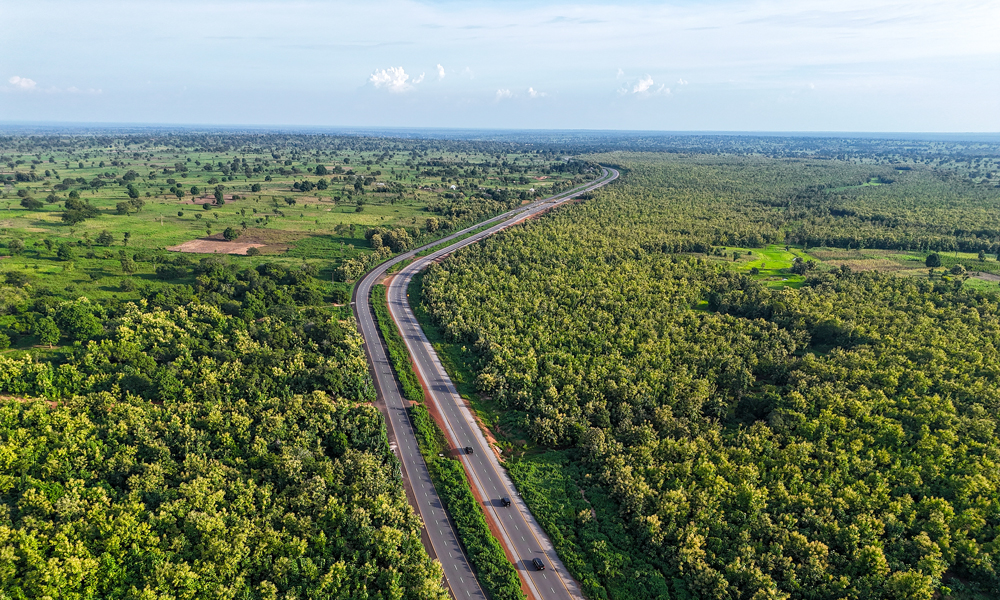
x,y
78,215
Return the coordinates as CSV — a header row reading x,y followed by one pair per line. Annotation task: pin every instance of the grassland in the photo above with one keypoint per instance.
x,y
299,199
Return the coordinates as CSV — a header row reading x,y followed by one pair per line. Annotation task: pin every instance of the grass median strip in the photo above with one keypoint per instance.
x,y
397,347
496,574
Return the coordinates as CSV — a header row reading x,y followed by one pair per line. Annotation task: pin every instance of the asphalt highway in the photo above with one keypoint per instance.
x,y
521,535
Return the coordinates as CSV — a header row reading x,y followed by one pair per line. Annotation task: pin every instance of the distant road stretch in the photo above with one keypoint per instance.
x,y
520,533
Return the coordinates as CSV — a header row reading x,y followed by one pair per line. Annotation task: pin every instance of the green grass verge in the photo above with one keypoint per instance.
x,y
496,574
586,528
398,353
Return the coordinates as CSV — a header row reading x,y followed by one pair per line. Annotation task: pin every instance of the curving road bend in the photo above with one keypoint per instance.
x,y
521,535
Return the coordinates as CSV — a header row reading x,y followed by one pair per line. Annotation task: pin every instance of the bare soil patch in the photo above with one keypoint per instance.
x,y
269,242
22,400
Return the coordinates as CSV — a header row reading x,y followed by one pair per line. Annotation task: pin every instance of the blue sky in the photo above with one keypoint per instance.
x,y
808,65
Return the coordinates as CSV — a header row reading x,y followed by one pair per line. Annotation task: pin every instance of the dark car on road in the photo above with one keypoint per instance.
x,y
538,564
505,501
468,449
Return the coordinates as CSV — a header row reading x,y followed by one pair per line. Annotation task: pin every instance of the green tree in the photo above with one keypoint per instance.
x,y
64,252
78,320
128,265
230,233
105,238
73,217
47,331
933,260
31,204
15,247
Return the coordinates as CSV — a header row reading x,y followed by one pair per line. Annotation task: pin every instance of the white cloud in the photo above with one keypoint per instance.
x,y
620,73
681,81
418,79
393,79
535,93
504,94
22,83
440,72
643,86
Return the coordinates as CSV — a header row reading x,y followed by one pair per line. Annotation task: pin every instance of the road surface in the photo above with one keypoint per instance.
x,y
520,533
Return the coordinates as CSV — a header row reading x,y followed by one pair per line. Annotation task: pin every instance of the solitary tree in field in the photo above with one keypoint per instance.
x,y
933,260
230,233
31,204
47,331
128,265
126,238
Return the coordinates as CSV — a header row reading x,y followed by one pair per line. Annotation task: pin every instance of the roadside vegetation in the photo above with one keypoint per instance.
x,y
700,406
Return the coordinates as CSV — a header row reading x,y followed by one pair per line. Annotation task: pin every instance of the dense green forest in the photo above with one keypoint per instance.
x,y
207,441
696,434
